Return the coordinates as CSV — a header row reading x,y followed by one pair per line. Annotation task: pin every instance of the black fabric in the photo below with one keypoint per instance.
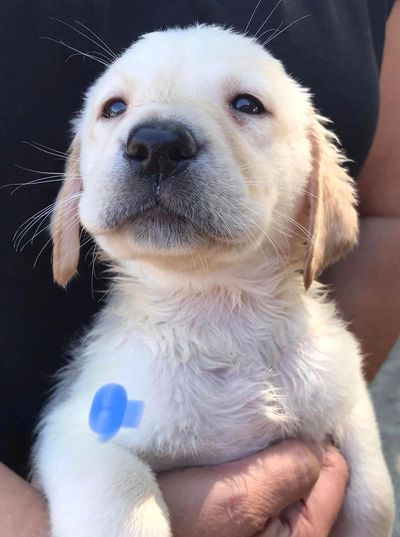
x,y
336,51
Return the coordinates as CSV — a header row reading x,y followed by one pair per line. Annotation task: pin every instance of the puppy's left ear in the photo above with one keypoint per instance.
x,y
65,219
333,221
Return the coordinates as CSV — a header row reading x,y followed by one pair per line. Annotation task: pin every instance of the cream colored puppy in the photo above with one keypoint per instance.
x,y
196,165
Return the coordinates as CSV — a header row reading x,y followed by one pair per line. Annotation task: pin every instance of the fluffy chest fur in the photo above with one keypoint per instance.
x,y
223,372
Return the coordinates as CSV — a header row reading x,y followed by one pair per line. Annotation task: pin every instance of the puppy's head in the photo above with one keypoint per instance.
x,y
196,145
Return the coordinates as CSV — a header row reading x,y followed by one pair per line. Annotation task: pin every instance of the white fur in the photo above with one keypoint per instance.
x,y
227,360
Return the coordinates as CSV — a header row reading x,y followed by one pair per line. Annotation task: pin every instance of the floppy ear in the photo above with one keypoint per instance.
x,y
333,222
65,220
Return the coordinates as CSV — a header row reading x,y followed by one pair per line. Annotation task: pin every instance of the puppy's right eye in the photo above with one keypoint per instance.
x,y
113,108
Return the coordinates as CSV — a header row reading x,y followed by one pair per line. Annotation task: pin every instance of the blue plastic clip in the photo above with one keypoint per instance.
x,y
112,410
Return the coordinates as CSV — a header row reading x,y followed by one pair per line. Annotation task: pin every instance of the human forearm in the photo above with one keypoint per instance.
x,y
236,499
22,509
366,286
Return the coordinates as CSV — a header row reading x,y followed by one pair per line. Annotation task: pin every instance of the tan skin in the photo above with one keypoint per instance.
x,y
286,486
367,283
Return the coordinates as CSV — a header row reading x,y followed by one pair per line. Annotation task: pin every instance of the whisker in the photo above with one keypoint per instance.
x,y
50,150
112,53
42,218
40,181
269,30
24,228
267,19
287,236
84,54
295,223
36,233
93,275
285,28
252,16
86,241
45,149
276,31
44,172
290,231
98,55
31,219
71,222
252,239
23,184
41,251
98,42
101,47
278,255
308,193
90,250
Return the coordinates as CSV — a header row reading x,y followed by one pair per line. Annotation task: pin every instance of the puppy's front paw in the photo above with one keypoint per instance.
x,y
147,520
96,489
150,526
111,519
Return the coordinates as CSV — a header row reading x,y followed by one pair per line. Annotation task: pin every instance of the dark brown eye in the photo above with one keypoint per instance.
x,y
247,104
113,108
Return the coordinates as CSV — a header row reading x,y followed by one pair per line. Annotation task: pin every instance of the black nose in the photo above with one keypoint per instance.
x,y
161,148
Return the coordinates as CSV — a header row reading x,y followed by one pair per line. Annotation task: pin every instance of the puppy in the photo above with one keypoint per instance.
x,y
203,172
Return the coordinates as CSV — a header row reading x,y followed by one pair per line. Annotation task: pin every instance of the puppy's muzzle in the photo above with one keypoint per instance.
x,y
160,148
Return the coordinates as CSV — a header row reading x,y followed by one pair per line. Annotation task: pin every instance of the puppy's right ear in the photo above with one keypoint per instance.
x,y
65,220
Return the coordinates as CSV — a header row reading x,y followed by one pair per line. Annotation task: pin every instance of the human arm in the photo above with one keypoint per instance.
x,y
250,497
241,498
366,284
23,511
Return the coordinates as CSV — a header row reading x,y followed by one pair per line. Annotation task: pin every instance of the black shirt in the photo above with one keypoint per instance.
x,y
333,47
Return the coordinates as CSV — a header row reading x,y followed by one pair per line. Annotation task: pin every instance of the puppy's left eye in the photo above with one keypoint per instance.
x,y
113,108
248,104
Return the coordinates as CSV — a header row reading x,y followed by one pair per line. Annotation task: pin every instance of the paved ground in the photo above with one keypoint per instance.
x,y
386,394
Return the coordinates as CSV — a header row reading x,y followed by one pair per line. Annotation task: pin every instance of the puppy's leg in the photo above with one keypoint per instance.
x,y
95,489
368,510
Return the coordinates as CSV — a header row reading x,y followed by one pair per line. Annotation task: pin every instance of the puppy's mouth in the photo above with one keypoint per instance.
x,y
174,214
157,225
162,229
159,215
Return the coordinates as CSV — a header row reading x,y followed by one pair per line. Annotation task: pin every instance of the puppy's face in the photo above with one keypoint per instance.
x,y
194,144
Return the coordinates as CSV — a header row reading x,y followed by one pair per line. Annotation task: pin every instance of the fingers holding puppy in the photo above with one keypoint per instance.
x,y
291,489
315,515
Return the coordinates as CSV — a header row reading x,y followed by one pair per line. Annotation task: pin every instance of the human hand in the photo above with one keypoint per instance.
x,y
23,511
290,489
286,490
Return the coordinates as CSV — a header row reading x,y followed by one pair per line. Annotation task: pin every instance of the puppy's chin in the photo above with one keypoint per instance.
x,y
155,235
161,230
169,242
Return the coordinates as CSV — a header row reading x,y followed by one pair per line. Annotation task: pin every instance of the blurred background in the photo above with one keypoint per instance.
x,y
385,391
